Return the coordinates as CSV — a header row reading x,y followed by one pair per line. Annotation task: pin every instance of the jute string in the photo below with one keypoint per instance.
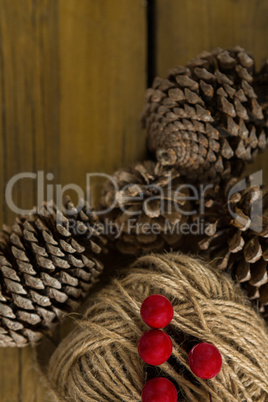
x,y
98,360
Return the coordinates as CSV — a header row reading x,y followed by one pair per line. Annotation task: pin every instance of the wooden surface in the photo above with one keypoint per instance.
x,y
72,81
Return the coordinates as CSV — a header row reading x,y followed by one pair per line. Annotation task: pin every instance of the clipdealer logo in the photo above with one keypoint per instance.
x,y
188,192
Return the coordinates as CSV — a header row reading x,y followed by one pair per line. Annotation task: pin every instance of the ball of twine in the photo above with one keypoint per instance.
x,y
99,361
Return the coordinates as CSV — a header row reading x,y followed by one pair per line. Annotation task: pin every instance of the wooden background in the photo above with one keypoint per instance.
x,y
72,80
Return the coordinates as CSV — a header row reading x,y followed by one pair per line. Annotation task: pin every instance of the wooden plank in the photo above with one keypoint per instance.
x,y
9,375
2,131
187,27
72,81
31,385
29,94
29,132
102,80
30,118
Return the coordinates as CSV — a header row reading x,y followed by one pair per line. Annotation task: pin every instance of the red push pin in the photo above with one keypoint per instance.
x,y
157,311
159,389
155,347
205,360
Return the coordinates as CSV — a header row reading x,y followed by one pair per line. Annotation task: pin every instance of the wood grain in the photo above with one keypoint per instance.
x,y
29,96
185,28
72,81
102,85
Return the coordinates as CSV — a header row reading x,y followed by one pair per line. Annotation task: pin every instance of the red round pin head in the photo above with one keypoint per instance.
x,y
155,347
157,311
159,389
205,360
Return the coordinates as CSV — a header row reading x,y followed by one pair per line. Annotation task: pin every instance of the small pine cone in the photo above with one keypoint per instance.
x,y
205,118
236,235
145,205
48,262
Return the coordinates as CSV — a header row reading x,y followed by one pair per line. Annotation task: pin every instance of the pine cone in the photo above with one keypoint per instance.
x,y
205,118
236,235
48,262
143,207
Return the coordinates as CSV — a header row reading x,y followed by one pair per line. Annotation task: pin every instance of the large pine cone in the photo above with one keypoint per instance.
x,y
143,207
48,262
236,235
205,118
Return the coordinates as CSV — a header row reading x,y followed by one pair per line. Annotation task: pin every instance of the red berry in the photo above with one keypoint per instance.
x,y
205,360
159,389
157,311
155,347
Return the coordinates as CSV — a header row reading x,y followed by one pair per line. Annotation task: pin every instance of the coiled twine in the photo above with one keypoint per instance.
x,y
98,360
